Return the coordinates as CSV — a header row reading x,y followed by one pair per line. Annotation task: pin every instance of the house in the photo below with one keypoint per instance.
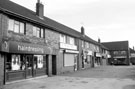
x,y
119,51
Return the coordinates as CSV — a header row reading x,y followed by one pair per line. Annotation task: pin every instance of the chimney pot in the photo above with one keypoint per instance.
x,y
39,9
99,41
82,30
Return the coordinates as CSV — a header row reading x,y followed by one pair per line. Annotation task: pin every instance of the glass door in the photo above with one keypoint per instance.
x,y
29,66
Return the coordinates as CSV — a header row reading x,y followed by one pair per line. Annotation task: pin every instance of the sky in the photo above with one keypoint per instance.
x,y
109,20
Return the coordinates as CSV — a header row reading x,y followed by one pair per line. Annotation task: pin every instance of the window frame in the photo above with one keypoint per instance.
x,y
12,27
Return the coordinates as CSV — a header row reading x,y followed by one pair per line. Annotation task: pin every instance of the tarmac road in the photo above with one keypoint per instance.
x,y
104,77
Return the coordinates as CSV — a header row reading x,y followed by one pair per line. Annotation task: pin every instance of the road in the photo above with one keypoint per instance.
x,y
105,77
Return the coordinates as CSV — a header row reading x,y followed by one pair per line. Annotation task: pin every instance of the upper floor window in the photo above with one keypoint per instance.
x,y
62,38
16,26
38,32
119,52
87,45
123,52
42,33
72,40
82,43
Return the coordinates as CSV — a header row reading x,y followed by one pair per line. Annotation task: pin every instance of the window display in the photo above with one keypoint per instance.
x,y
14,63
38,61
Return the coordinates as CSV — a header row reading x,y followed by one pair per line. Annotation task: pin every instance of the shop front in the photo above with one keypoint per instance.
x,y
119,60
98,58
71,58
25,60
87,59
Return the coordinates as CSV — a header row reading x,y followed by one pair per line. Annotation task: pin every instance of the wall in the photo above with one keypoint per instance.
x,y
80,55
52,38
1,70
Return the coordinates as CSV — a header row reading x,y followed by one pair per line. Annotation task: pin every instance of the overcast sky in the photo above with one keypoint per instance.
x,y
109,20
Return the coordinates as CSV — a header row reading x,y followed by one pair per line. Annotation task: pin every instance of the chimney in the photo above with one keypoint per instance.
x,y
99,41
82,30
39,9
133,48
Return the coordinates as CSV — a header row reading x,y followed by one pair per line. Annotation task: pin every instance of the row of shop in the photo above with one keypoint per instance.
x,y
33,45
25,60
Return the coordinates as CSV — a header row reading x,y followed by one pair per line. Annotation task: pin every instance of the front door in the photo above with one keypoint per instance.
x,y
29,66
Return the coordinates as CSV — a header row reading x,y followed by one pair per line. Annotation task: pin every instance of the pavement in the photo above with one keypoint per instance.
x,y
104,77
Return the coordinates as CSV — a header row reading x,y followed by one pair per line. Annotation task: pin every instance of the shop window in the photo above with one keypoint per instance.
x,y
86,58
14,63
38,61
15,26
69,60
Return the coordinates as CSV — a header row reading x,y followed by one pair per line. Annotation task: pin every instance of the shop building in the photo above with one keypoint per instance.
x,y
89,51
105,55
68,53
30,43
119,51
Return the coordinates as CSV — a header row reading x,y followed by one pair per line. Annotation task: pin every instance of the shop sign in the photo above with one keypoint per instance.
x,y
4,46
18,47
132,54
120,57
68,46
89,53
72,51
98,55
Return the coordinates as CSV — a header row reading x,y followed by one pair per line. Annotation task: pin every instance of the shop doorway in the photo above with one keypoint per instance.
x,y
29,66
54,65
47,65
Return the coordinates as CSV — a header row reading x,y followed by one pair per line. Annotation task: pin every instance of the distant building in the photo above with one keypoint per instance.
x,y
132,56
119,51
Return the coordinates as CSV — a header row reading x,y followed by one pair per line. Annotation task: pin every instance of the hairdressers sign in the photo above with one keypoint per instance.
x,y
18,47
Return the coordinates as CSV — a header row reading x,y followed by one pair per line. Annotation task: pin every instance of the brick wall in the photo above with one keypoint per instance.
x,y
52,38
1,70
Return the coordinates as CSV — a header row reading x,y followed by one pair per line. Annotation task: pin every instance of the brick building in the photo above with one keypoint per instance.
x,y
119,51
33,45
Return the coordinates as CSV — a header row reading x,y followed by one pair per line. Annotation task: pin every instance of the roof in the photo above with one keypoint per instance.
x,y
117,45
103,47
21,12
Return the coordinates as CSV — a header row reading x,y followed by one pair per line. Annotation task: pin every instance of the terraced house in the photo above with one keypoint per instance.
x,y
33,45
